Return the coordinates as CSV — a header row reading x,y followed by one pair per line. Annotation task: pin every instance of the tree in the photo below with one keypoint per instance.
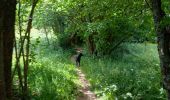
x,y
7,23
22,45
101,25
163,40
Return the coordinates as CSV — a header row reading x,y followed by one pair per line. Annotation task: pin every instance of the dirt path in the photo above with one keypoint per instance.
x,y
86,93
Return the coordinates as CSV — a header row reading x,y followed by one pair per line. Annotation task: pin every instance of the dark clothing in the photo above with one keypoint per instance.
x,y
78,58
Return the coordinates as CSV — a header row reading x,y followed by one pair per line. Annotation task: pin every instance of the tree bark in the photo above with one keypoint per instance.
x,y
2,81
7,23
163,40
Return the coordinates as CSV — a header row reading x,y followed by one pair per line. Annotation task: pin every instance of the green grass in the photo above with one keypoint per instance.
x,y
134,75
52,76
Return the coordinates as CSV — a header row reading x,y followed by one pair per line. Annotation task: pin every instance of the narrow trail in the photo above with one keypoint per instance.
x,y
85,90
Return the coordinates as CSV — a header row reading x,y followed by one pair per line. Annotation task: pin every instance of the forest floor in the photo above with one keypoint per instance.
x,y
86,94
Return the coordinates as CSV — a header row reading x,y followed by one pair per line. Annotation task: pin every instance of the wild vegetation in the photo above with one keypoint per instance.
x,y
50,78
124,46
134,75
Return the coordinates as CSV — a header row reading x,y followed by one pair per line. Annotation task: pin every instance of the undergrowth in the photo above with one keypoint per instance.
x,y
133,75
52,77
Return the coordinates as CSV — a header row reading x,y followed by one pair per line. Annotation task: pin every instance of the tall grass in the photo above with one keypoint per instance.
x,y
52,76
132,75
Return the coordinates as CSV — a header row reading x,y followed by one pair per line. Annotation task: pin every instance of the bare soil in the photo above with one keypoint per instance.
x,y
85,93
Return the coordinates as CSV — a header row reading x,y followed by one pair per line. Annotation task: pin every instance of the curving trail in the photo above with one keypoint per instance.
x,y
85,90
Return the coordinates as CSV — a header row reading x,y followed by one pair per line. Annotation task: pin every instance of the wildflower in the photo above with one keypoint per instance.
x,y
161,90
129,94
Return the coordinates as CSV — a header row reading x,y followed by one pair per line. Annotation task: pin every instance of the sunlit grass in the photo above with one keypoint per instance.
x,y
53,77
134,75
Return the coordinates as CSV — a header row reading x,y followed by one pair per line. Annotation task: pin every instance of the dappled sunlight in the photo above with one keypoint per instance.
x,y
51,78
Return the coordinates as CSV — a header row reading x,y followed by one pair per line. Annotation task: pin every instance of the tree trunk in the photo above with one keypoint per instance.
x,y
2,81
7,23
46,35
163,40
91,45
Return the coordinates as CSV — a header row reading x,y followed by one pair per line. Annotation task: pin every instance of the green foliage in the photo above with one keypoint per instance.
x,y
111,33
51,79
132,76
106,21
165,22
64,41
